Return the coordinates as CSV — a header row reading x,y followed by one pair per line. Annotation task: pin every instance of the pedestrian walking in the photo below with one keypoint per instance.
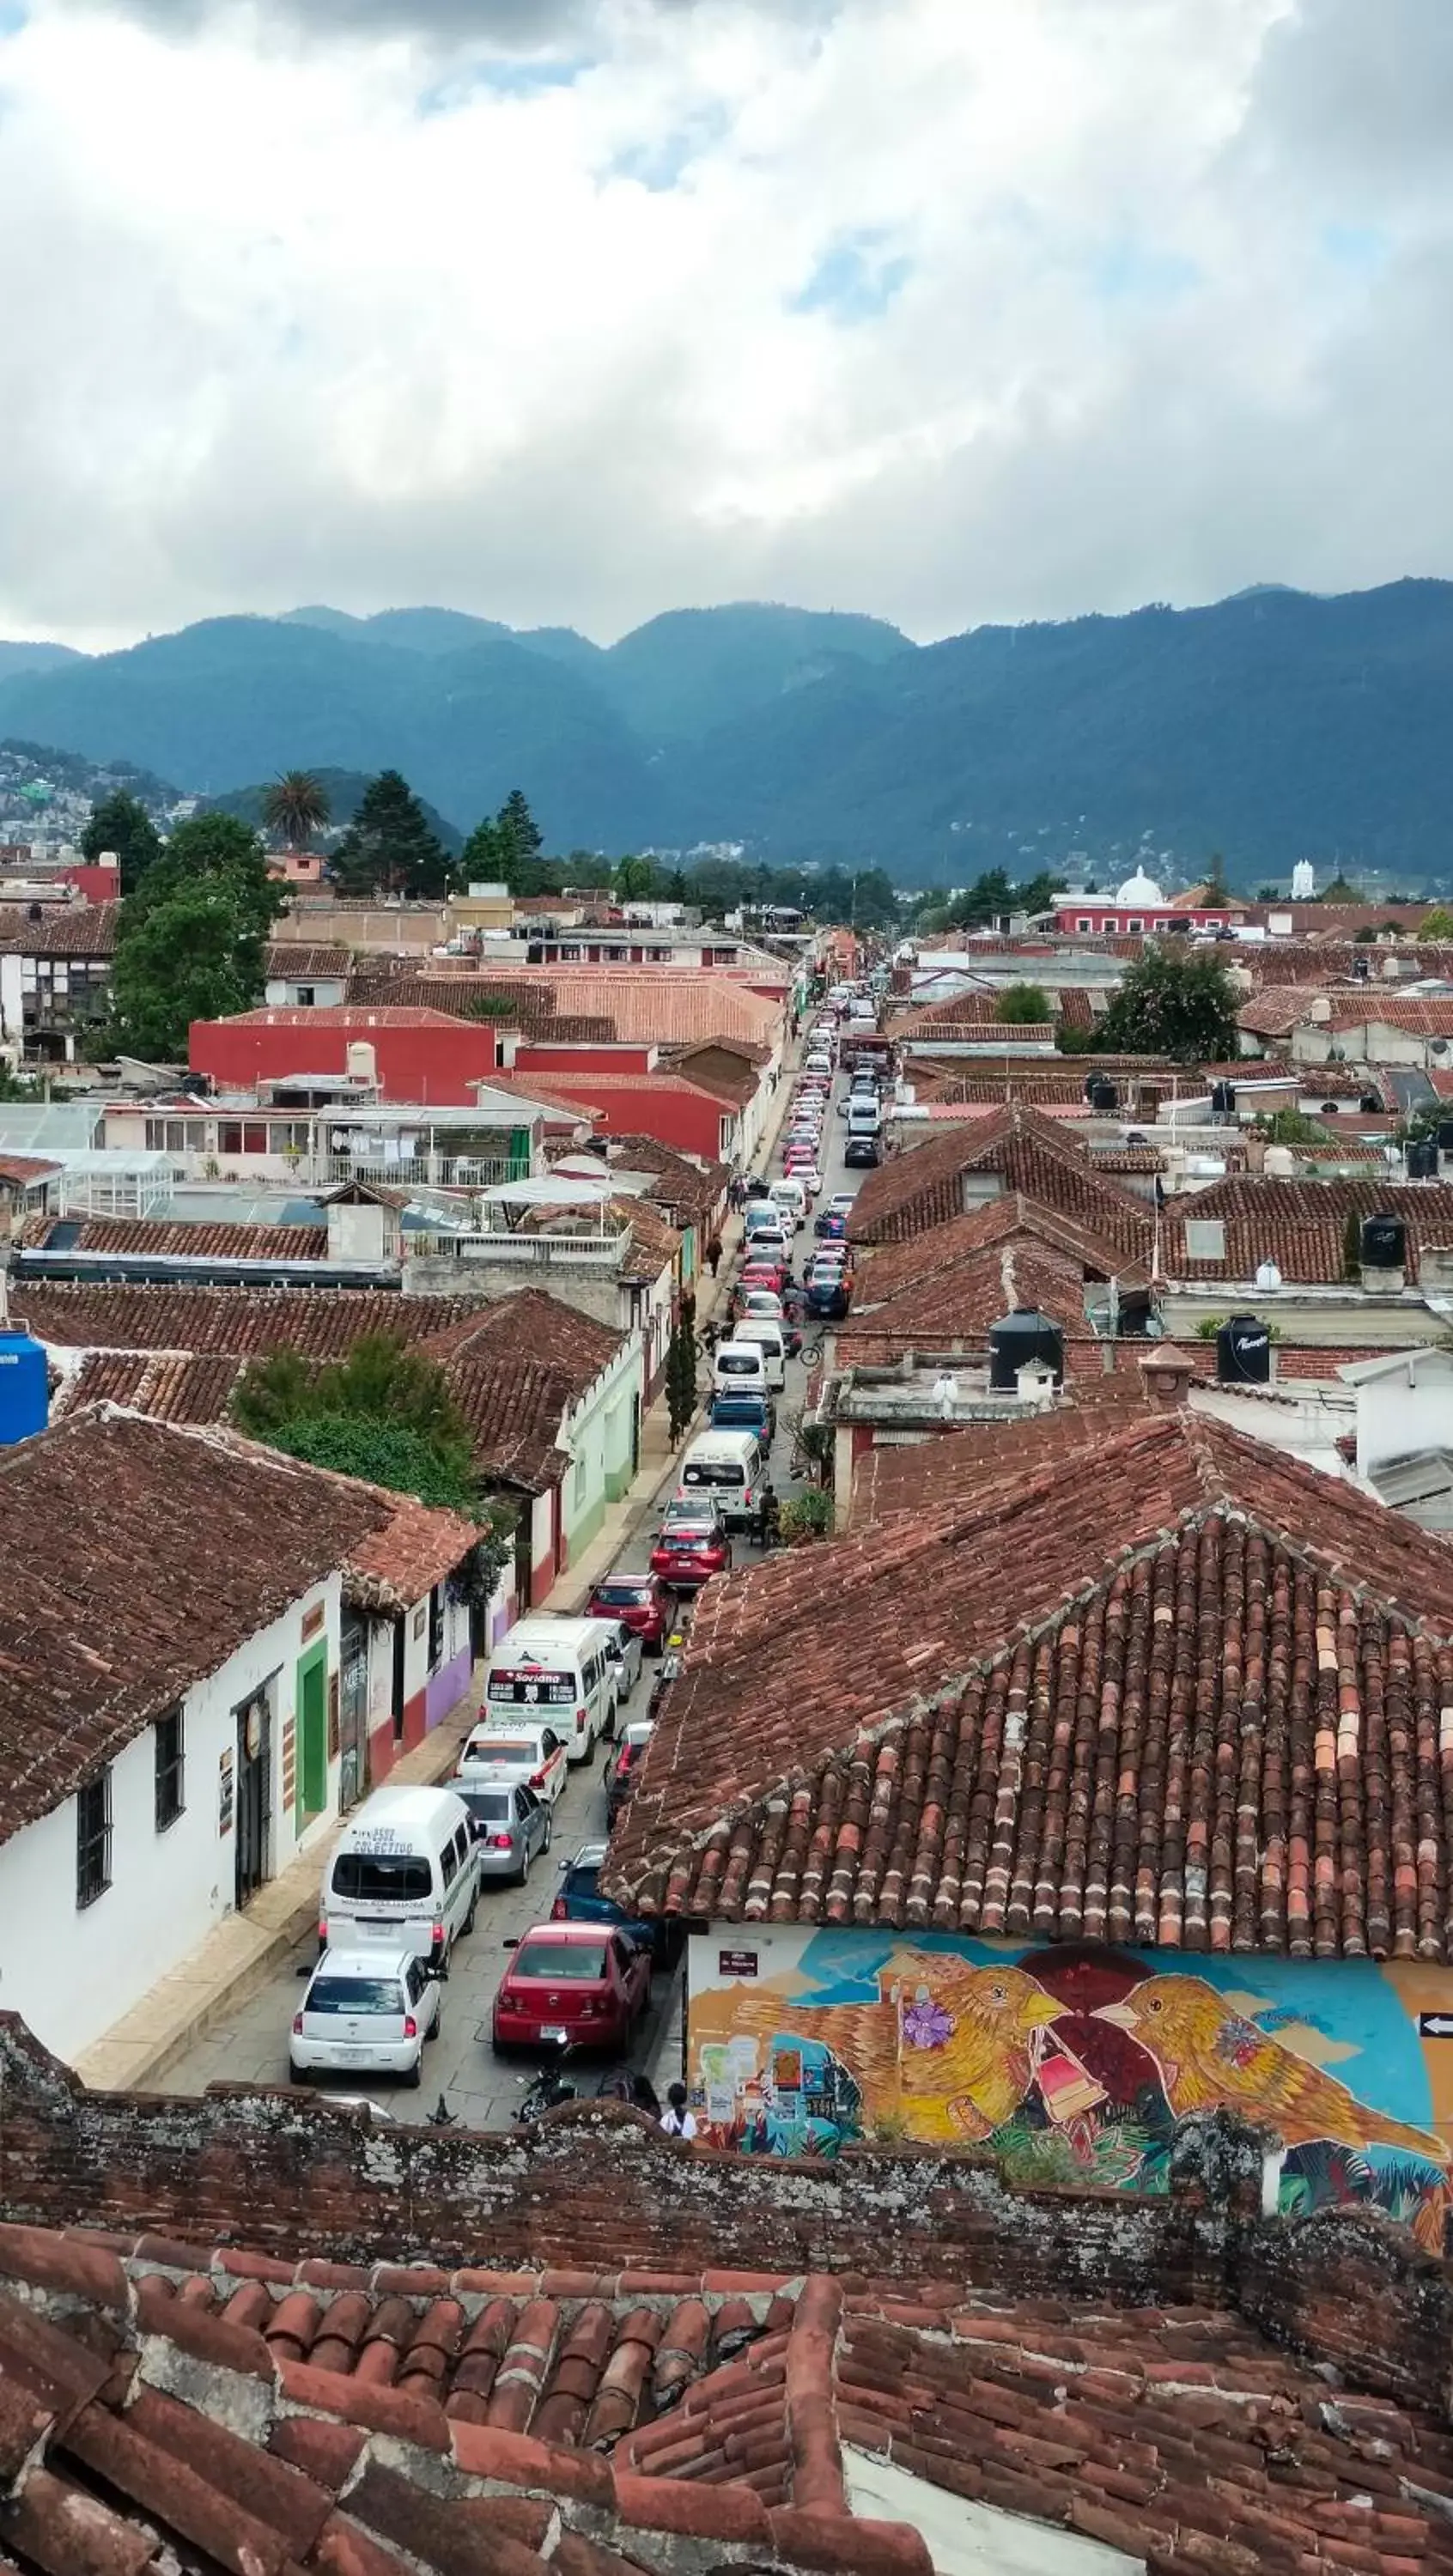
x,y
713,1255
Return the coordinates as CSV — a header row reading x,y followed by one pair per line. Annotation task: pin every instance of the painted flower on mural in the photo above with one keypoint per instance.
x,y
927,2025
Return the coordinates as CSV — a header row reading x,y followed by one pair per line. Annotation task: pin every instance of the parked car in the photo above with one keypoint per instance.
x,y
531,1754
640,1602
799,1167
580,1901
861,1153
625,1764
571,1982
744,1409
368,2009
691,1548
760,1272
512,1827
831,1229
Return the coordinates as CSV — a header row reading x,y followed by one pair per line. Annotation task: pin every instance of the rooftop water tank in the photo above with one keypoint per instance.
x,y
1023,1336
1223,1099
1445,1135
1384,1243
1280,1163
1423,1159
1243,1352
24,1392
1101,1092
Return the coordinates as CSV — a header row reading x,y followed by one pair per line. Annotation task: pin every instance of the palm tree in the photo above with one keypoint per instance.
x,y
294,807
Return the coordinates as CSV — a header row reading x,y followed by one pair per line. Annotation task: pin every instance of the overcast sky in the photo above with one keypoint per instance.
x,y
567,311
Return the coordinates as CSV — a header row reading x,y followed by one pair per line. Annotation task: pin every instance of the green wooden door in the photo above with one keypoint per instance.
x,y
313,1730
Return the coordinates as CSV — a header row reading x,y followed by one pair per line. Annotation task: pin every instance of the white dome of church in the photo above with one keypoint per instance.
x,y
1140,889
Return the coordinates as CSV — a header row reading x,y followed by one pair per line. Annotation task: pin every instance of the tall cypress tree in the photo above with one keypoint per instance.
x,y
390,847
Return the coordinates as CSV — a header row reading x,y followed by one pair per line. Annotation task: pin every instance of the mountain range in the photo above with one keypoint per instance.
x,y
1270,727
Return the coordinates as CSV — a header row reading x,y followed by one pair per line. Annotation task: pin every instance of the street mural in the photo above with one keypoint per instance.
x,y
1071,2065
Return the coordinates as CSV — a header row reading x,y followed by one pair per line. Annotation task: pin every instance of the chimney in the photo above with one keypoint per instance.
x,y
1167,1373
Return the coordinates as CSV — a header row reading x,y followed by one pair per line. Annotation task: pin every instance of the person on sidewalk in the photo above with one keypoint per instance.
x,y
713,1255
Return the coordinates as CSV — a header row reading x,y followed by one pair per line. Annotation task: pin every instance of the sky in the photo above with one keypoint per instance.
x,y
570,311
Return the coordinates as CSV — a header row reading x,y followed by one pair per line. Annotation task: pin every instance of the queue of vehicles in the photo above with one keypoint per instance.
x,y
403,1885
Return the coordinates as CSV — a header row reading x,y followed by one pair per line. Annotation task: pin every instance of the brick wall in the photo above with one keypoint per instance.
x,y
596,2188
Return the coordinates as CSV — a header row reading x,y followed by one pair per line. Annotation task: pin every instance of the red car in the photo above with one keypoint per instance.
x,y
579,1982
764,1274
641,1602
690,1552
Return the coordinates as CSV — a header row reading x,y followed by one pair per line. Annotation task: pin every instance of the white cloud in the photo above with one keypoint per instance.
x,y
949,309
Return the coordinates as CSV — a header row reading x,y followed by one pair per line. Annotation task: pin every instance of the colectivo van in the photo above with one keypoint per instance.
x,y
568,1670
739,1364
405,1876
790,1196
770,1340
727,1468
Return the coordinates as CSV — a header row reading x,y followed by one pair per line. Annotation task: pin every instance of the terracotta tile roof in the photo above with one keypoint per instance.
x,y
340,1015
26,1171
732,1075
295,962
946,1467
924,1186
181,1240
692,1189
515,1408
958,1304
1427,1016
531,1320
170,1386
72,930
100,1629
415,1547
1259,1652
1275,1011
180,2409
1300,1225
666,1006
529,1007
322,1323
888,1270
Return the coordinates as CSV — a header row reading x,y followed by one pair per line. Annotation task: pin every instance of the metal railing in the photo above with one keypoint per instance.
x,y
533,1251
437,1171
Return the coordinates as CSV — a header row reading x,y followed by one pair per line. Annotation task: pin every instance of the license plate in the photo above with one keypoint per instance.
x,y
552,2030
354,2056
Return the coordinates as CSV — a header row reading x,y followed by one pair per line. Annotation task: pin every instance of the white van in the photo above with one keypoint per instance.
x,y
791,1198
864,1115
726,1467
740,1367
567,1671
771,1342
405,1876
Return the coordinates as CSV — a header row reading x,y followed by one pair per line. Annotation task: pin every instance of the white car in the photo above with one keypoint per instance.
x,y
626,1652
808,1174
370,2011
531,1755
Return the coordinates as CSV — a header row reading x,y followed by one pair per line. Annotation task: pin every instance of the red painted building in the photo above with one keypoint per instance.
x,y
423,1056
662,1105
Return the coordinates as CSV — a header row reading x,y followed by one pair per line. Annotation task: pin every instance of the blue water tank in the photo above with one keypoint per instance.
x,y
24,1393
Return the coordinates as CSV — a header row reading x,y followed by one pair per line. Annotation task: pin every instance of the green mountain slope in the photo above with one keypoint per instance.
x,y
1271,726
35,657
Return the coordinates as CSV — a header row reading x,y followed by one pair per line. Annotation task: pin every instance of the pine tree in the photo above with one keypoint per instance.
x,y
680,1381
121,824
520,836
389,847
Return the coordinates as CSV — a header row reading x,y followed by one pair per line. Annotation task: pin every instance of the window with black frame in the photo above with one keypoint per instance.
x,y
93,1838
170,1768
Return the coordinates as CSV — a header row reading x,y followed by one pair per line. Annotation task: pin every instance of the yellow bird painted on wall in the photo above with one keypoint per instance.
x,y
1210,2057
982,2032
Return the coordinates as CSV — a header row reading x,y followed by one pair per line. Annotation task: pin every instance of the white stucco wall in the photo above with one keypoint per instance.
x,y
72,1972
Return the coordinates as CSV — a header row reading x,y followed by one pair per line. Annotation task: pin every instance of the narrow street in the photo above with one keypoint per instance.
x,y
249,2045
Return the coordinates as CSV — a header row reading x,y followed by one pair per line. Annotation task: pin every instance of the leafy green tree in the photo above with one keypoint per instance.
x,y
1173,1003
1341,890
676,887
122,824
1294,1127
482,859
380,1380
390,847
636,880
216,850
1218,892
1024,1006
1438,924
16,1086
187,957
295,807
1038,893
520,835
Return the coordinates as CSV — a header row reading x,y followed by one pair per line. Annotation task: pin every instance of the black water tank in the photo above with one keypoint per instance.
x,y
1445,1135
1223,1099
1423,1159
1101,1093
1370,1104
1243,1352
1384,1243
1023,1336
